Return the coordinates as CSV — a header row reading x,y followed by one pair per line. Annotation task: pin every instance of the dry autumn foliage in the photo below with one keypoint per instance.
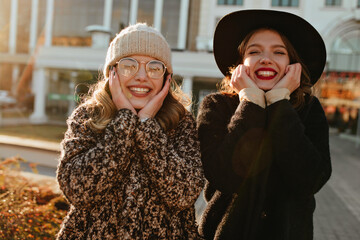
x,y
28,209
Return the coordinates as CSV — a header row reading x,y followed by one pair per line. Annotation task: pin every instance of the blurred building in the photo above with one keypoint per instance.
x,y
51,50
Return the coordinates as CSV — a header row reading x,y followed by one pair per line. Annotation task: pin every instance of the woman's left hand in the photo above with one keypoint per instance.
x,y
154,105
291,79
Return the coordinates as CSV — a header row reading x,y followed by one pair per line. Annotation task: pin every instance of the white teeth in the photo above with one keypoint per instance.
x,y
266,73
139,90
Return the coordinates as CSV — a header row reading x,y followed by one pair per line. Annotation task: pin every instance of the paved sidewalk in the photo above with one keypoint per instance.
x,y
337,215
45,153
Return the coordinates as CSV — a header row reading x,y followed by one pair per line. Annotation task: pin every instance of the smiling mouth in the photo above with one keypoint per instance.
x,y
139,90
266,75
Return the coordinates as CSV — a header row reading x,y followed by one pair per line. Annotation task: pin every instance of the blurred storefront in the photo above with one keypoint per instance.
x,y
52,50
340,97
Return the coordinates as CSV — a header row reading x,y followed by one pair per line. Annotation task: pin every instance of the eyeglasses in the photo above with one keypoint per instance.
x,y
128,67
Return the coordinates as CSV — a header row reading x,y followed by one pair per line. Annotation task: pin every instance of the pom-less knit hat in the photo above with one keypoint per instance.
x,y
233,28
138,39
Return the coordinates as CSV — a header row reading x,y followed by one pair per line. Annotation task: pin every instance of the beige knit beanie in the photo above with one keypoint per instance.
x,y
138,39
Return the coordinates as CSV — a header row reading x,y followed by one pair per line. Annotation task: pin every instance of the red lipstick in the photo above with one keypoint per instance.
x,y
265,73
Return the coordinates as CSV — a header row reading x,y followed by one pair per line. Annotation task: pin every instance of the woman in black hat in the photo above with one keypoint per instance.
x,y
264,137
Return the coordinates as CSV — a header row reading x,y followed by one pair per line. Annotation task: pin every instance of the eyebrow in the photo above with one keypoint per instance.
x,y
273,46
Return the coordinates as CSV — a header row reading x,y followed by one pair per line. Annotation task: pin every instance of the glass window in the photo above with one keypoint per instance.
x,y
64,88
345,51
285,3
230,2
5,76
120,15
332,2
72,17
170,22
23,26
41,19
146,11
4,25
340,86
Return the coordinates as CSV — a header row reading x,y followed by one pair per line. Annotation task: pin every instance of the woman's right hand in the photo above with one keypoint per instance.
x,y
118,96
240,79
291,79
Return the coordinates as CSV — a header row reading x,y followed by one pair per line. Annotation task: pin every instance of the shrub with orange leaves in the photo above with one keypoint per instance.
x,y
28,210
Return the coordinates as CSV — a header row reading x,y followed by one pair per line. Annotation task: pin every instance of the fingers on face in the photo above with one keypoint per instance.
x,y
235,74
296,68
244,70
113,80
166,87
299,68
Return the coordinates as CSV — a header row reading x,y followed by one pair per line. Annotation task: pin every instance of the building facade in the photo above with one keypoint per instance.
x,y
51,50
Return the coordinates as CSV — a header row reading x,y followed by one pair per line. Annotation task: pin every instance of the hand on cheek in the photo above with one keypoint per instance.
x,y
154,105
240,78
118,96
291,79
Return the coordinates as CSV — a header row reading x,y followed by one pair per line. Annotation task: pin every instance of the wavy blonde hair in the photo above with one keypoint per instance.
x,y
102,108
297,98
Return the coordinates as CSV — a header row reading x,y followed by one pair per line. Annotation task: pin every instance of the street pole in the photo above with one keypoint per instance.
x,y
357,139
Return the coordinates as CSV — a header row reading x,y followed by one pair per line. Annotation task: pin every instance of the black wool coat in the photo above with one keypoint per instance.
x,y
263,167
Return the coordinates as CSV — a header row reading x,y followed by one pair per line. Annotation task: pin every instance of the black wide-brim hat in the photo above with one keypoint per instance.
x,y
233,28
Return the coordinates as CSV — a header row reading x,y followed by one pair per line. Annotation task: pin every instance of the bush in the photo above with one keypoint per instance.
x,y
28,210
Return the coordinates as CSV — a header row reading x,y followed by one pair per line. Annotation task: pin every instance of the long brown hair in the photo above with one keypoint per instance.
x,y
102,109
297,98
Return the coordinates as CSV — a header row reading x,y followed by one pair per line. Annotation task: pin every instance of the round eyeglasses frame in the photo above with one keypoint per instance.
x,y
133,72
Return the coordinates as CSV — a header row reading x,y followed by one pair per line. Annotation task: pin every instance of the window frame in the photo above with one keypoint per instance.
x,y
227,3
335,3
281,4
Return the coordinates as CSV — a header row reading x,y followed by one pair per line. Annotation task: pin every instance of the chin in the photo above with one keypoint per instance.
x,y
138,105
266,86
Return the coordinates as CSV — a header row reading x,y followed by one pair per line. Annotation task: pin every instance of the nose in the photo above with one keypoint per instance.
x,y
265,59
141,73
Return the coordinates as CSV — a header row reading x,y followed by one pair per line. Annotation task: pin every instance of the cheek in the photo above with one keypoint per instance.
x,y
122,82
283,66
157,86
124,89
284,63
250,63
247,62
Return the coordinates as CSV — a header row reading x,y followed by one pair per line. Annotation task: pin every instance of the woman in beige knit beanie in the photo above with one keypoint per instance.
x,y
130,161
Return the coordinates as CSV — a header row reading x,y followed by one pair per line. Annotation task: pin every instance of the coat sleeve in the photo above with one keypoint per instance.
x,y
301,148
172,163
231,140
90,165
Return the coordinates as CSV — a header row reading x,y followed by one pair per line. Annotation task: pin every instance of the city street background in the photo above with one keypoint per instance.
x,y
337,214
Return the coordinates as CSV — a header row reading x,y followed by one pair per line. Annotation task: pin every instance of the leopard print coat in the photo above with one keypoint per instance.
x,y
132,181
